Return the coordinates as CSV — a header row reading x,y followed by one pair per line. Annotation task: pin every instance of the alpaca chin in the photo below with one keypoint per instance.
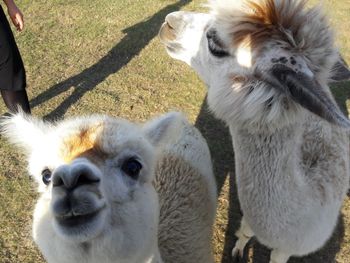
x,y
80,228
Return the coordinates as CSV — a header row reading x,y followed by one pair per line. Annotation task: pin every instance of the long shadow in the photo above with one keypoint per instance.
x,y
219,140
136,38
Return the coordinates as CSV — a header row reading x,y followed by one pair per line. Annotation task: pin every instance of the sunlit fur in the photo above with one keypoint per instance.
x,y
292,167
166,214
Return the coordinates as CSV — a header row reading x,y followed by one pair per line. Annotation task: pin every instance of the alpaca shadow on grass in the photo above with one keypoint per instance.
x,y
341,92
219,140
260,254
136,38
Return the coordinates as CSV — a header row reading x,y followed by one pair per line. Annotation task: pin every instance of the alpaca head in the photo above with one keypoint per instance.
x,y
263,60
95,175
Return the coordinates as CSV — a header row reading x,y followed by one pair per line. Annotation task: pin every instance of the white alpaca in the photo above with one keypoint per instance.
x,y
267,64
115,191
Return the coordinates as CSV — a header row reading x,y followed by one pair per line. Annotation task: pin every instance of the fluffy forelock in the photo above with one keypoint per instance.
x,y
306,31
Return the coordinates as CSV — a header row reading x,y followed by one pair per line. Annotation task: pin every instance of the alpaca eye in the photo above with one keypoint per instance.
x,y
46,175
215,50
132,168
214,45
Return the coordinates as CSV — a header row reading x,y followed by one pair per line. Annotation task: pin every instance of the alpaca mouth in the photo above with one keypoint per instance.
x,y
76,220
78,213
173,47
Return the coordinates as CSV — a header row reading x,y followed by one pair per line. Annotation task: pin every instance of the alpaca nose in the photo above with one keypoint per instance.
x,y
175,20
73,176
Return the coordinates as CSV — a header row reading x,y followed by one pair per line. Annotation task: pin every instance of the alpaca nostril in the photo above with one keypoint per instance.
x,y
169,25
59,175
57,181
84,179
174,20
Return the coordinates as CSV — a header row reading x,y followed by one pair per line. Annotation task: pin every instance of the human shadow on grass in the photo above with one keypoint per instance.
x,y
220,144
136,38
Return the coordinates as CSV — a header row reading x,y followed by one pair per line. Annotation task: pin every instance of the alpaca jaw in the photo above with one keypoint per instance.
x,y
80,228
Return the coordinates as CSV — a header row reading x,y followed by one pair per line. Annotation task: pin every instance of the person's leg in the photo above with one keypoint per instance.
x,y
12,72
15,99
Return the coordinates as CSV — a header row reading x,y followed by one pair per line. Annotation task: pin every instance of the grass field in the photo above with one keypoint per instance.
x,y
104,56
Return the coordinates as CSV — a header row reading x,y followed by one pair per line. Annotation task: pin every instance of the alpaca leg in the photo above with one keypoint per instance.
x,y
244,234
278,257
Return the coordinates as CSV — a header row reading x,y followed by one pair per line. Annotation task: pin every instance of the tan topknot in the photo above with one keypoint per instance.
x,y
263,20
300,29
81,143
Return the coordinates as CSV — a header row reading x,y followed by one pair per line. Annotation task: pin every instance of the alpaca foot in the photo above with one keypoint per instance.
x,y
278,257
244,234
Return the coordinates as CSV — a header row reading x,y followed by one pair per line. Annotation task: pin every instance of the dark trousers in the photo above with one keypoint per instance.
x,y
12,73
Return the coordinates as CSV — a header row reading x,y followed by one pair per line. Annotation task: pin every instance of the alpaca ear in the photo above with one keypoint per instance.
x,y
340,71
163,128
306,91
23,130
